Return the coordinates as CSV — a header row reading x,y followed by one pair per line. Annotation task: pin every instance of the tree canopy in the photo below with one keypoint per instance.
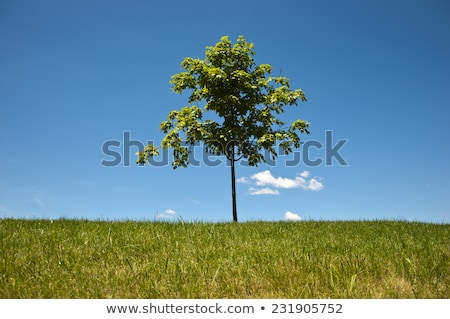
x,y
246,99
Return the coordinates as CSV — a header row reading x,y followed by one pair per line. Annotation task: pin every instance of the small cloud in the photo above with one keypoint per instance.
x,y
243,180
315,185
263,191
168,213
264,183
292,217
304,174
266,178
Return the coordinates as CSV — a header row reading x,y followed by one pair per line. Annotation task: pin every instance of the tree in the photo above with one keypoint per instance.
x,y
246,99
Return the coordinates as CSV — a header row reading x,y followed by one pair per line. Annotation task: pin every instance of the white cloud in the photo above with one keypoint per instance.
x,y
266,178
292,217
168,213
304,174
315,185
243,180
263,191
264,183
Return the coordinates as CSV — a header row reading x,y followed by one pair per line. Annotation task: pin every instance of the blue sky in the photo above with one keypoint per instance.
x,y
75,75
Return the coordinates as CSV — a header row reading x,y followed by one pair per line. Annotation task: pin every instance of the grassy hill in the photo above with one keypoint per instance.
x,y
99,259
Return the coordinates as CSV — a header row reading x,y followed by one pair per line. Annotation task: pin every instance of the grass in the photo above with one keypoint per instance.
x,y
99,259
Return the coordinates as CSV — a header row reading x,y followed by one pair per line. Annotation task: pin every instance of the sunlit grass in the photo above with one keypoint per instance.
x,y
98,259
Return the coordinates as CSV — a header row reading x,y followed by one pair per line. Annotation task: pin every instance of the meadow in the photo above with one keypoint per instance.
x,y
310,259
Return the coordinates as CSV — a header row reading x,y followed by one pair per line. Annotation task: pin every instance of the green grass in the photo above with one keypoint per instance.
x,y
98,259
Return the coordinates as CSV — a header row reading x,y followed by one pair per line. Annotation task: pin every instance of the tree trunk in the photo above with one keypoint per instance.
x,y
233,186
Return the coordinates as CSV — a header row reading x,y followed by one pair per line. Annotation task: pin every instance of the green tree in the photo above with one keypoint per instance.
x,y
243,96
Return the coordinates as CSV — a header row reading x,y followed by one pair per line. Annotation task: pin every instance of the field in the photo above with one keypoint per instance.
x,y
311,259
